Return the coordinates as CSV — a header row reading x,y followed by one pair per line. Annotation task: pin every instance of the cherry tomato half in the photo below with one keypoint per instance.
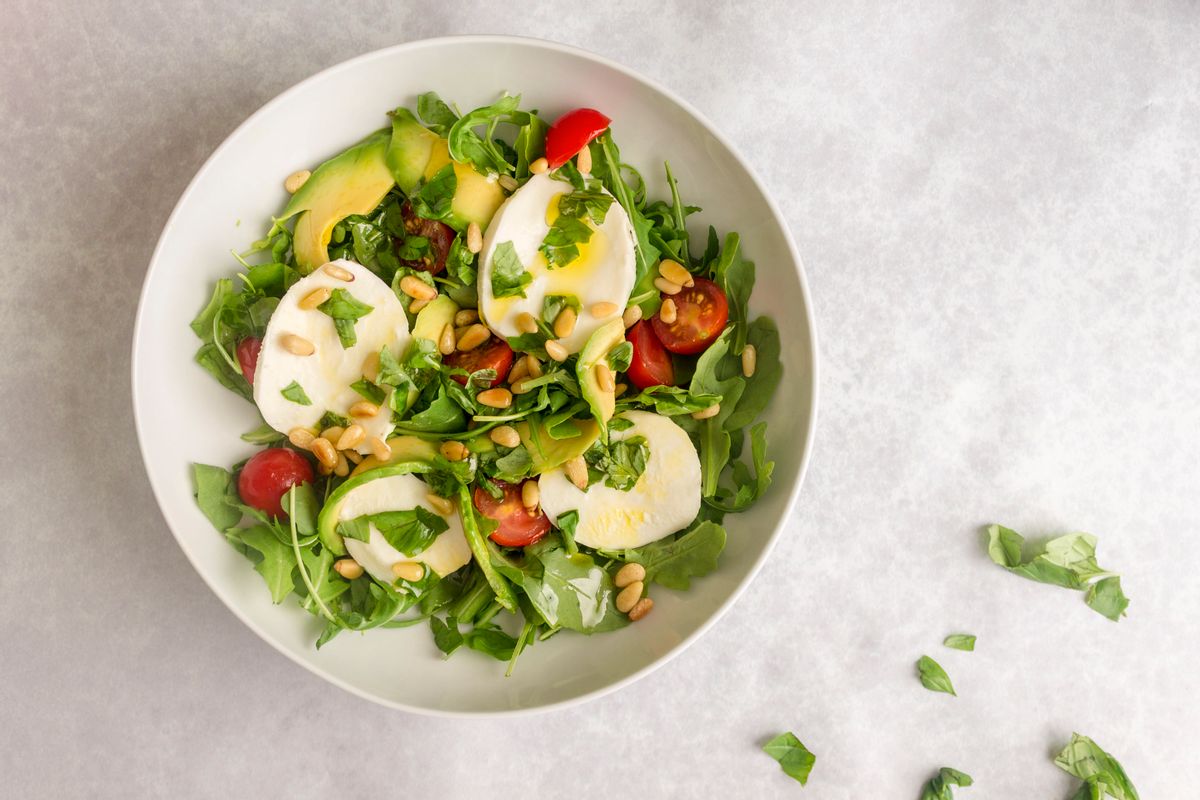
x,y
439,234
247,356
650,364
269,474
701,312
571,132
518,527
492,354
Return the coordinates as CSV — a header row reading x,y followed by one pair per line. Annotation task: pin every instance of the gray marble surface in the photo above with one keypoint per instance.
x,y
999,209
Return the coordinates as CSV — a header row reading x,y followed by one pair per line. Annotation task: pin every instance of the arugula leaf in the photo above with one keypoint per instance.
x,y
1105,597
748,487
434,112
482,152
735,276
673,563
446,634
608,169
566,524
938,787
216,494
263,434
960,641
530,144
561,243
671,401
933,677
490,640
572,592
760,387
794,758
277,563
433,200
513,467
410,531
1101,773
303,508
479,549
295,392
220,325
509,277
344,309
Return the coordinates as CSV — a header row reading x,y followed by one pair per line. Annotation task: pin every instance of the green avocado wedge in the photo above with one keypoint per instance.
x,y
603,340
410,150
327,520
547,452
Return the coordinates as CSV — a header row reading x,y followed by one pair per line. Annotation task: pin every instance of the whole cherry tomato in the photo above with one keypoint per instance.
x,y
701,312
269,474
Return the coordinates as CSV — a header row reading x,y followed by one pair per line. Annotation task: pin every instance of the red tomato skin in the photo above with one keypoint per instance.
x,y
650,364
518,528
492,354
701,312
439,234
571,132
269,474
247,356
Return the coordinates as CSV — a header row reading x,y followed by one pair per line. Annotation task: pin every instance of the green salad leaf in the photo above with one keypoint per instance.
x,y
277,564
938,787
1102,774
295,393
619,463
433,200
674,562
509,277
960,641
933,677
484,153
794,758
436,115
1105,597
216,494
446,636
571,591
409,531
345,310
561,243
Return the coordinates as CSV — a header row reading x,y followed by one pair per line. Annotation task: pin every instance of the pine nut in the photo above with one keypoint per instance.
x,y
297,179
353,456
711,411
675,273
410,571
416,288
342,467
604,377
297,345
628,574
641,609
353,437
527,323
446,342
667,287
453,450
459,331
576,471
315,298
301,437
348,568
519,370
508,183
631,316
474,238
364,408
601,310
339,273
370,367
556,351
495,398
533,365
564,323
333,433
667,311
325,452
538,166
583,161
629,596
416,305
620,389
473,336
465,317
505,436
749,360
521,386
379,448
441,505
531,495
324,470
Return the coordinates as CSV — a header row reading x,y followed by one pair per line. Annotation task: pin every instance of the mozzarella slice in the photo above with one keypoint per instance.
x,y
448,552
326,375
604,272
665,499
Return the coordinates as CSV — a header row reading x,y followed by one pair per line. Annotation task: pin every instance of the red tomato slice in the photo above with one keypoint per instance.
x,y
650,364
247,356
439,234
518,527
571,132
492,354
269,474
701,312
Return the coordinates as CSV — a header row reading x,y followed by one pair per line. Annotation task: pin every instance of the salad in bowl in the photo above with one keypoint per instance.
x,y
504,394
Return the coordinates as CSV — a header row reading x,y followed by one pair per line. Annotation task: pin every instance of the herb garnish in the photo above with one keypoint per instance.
x,y
295,392
345,310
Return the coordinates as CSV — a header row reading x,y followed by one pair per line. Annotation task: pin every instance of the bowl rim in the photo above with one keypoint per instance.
x,y
808,434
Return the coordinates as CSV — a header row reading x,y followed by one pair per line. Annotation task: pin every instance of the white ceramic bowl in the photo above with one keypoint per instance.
x,y
184,416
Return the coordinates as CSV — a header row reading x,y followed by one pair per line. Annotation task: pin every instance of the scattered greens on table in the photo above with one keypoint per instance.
x,y
1101,774
960,641
794,758
932,676
938,787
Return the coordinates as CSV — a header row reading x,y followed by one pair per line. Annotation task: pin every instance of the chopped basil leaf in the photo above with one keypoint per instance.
x,y
592,202
621,464
1105,597
794,758
513,467
460,262
332,420
369,391
566,524
933,677
433,200
294,392
619,424
620,357
413,248
410,532
553,304
561,243
509,277
938,787
1102,774
263,434
960,641
345,309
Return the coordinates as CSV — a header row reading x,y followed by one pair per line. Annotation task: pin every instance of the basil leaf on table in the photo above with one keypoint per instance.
x,y
960,641
933,677
1101,773
794,758
938,787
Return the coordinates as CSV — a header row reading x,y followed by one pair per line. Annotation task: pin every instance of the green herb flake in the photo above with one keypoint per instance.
x,y
938,787
411,531
1102,774
566,524
794,758
509,277
960,641
433,200
295,392
561,244
933,677
344,309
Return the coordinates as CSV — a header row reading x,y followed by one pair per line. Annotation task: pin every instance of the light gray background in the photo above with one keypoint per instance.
x,y
999,209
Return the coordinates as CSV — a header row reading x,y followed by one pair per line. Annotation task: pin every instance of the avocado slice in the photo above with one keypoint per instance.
x,y
354,182
430,322
410,149
404,449
327,520
548,452
604,339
